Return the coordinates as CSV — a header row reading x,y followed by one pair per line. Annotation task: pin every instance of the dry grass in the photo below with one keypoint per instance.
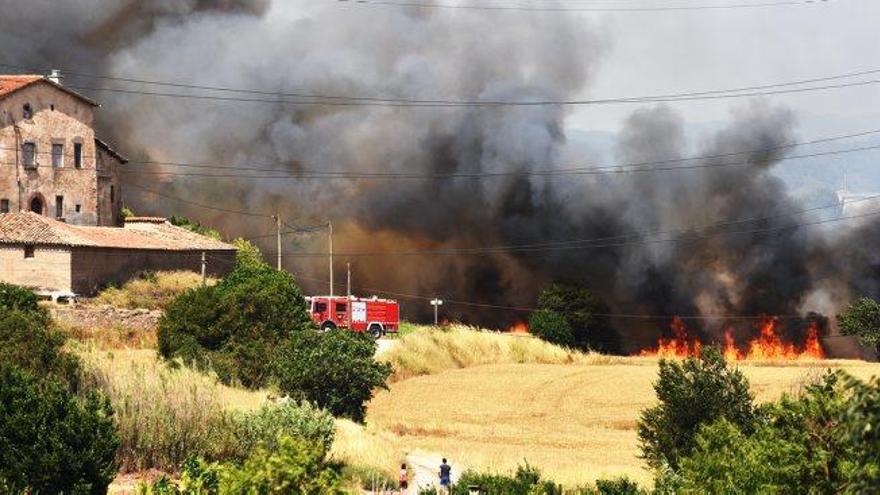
x,y
360,445
117,337
576,422
165,414
430,350
150,290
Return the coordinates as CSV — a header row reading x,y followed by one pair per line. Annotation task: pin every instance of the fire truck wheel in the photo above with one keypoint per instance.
x,y
376,331
328,327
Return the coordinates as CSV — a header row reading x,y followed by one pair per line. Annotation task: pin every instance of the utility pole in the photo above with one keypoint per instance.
x,y
204,270
277,218
330,226
436,303
348,279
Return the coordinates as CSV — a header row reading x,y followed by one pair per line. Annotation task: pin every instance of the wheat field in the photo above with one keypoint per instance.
x,y
577,422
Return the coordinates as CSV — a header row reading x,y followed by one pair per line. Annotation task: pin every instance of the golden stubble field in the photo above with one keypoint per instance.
x,y
577,422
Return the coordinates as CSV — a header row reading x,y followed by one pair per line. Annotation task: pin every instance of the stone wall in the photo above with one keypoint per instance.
x,y
106,317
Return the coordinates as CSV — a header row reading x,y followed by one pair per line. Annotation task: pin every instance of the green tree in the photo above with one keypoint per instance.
x,y
336,370
296,466
552,327
198,228
52,441
822,441
862,318
13,297
234,327
247,253
692,393
585,314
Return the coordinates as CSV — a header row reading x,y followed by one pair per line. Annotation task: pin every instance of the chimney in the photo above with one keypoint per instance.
x,y
55,76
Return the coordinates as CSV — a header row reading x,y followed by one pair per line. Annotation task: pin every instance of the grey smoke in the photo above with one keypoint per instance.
x,y
328,48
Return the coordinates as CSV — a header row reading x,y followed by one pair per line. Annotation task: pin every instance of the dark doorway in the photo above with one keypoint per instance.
x,y
37,205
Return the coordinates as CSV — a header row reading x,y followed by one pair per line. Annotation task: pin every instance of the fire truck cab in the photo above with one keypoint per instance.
x,y
374,315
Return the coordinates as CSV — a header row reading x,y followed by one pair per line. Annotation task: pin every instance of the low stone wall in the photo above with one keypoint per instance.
x,y
106,317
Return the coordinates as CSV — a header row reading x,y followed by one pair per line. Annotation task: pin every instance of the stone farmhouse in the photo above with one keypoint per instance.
x,y
61,227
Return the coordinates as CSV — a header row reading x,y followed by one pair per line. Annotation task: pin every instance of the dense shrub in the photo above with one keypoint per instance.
x,y
52,441
527,480
13,297
862,318
584,312
295,466
552,327
29,340
253,328
265,426
336,371
234,327
824,441
692,393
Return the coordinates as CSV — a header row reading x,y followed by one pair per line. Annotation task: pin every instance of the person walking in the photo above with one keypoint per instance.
x,y
445,476
403,479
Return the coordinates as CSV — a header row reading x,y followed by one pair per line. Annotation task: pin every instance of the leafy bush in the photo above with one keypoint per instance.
x,y
862,318
13,297
29,340
295,466
618,486
527,480
552,327
336,371
265,426
820,442
52,441
234,327
692,393
584,312
198,228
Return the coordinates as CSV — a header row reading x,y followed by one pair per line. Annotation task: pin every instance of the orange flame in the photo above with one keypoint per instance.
x,y
767,345
520,327
680,345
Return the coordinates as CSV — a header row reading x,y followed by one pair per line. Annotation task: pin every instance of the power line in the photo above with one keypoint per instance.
x,y
482,104
311,96
605,170
200,205
594,243
523,8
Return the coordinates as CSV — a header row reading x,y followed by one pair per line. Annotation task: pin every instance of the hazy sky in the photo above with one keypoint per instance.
x,y
662,52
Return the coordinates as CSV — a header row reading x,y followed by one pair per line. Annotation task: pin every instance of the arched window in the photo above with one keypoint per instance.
x,y
27,111
37,205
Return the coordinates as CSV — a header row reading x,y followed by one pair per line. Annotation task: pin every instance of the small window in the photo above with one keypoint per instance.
x,y
77,155
29,251
340,307
4,205
78,208
52,107
320,307
27,111
29,155
112,193
57,155
59,206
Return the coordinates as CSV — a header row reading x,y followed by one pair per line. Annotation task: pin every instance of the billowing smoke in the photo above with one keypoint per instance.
x,y
330,48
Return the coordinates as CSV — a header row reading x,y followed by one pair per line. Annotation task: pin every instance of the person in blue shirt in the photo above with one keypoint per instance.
x,y
445,475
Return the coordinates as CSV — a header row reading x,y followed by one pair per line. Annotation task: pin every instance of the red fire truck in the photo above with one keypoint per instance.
x,y
374,315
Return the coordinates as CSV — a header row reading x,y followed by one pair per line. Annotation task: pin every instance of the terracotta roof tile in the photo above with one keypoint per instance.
x,y
12,83
31,228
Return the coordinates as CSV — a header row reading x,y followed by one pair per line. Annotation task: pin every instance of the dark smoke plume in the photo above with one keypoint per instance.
x,y
330,48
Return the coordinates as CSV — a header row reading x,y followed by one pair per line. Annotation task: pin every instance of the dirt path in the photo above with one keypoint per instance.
x,y
425,468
